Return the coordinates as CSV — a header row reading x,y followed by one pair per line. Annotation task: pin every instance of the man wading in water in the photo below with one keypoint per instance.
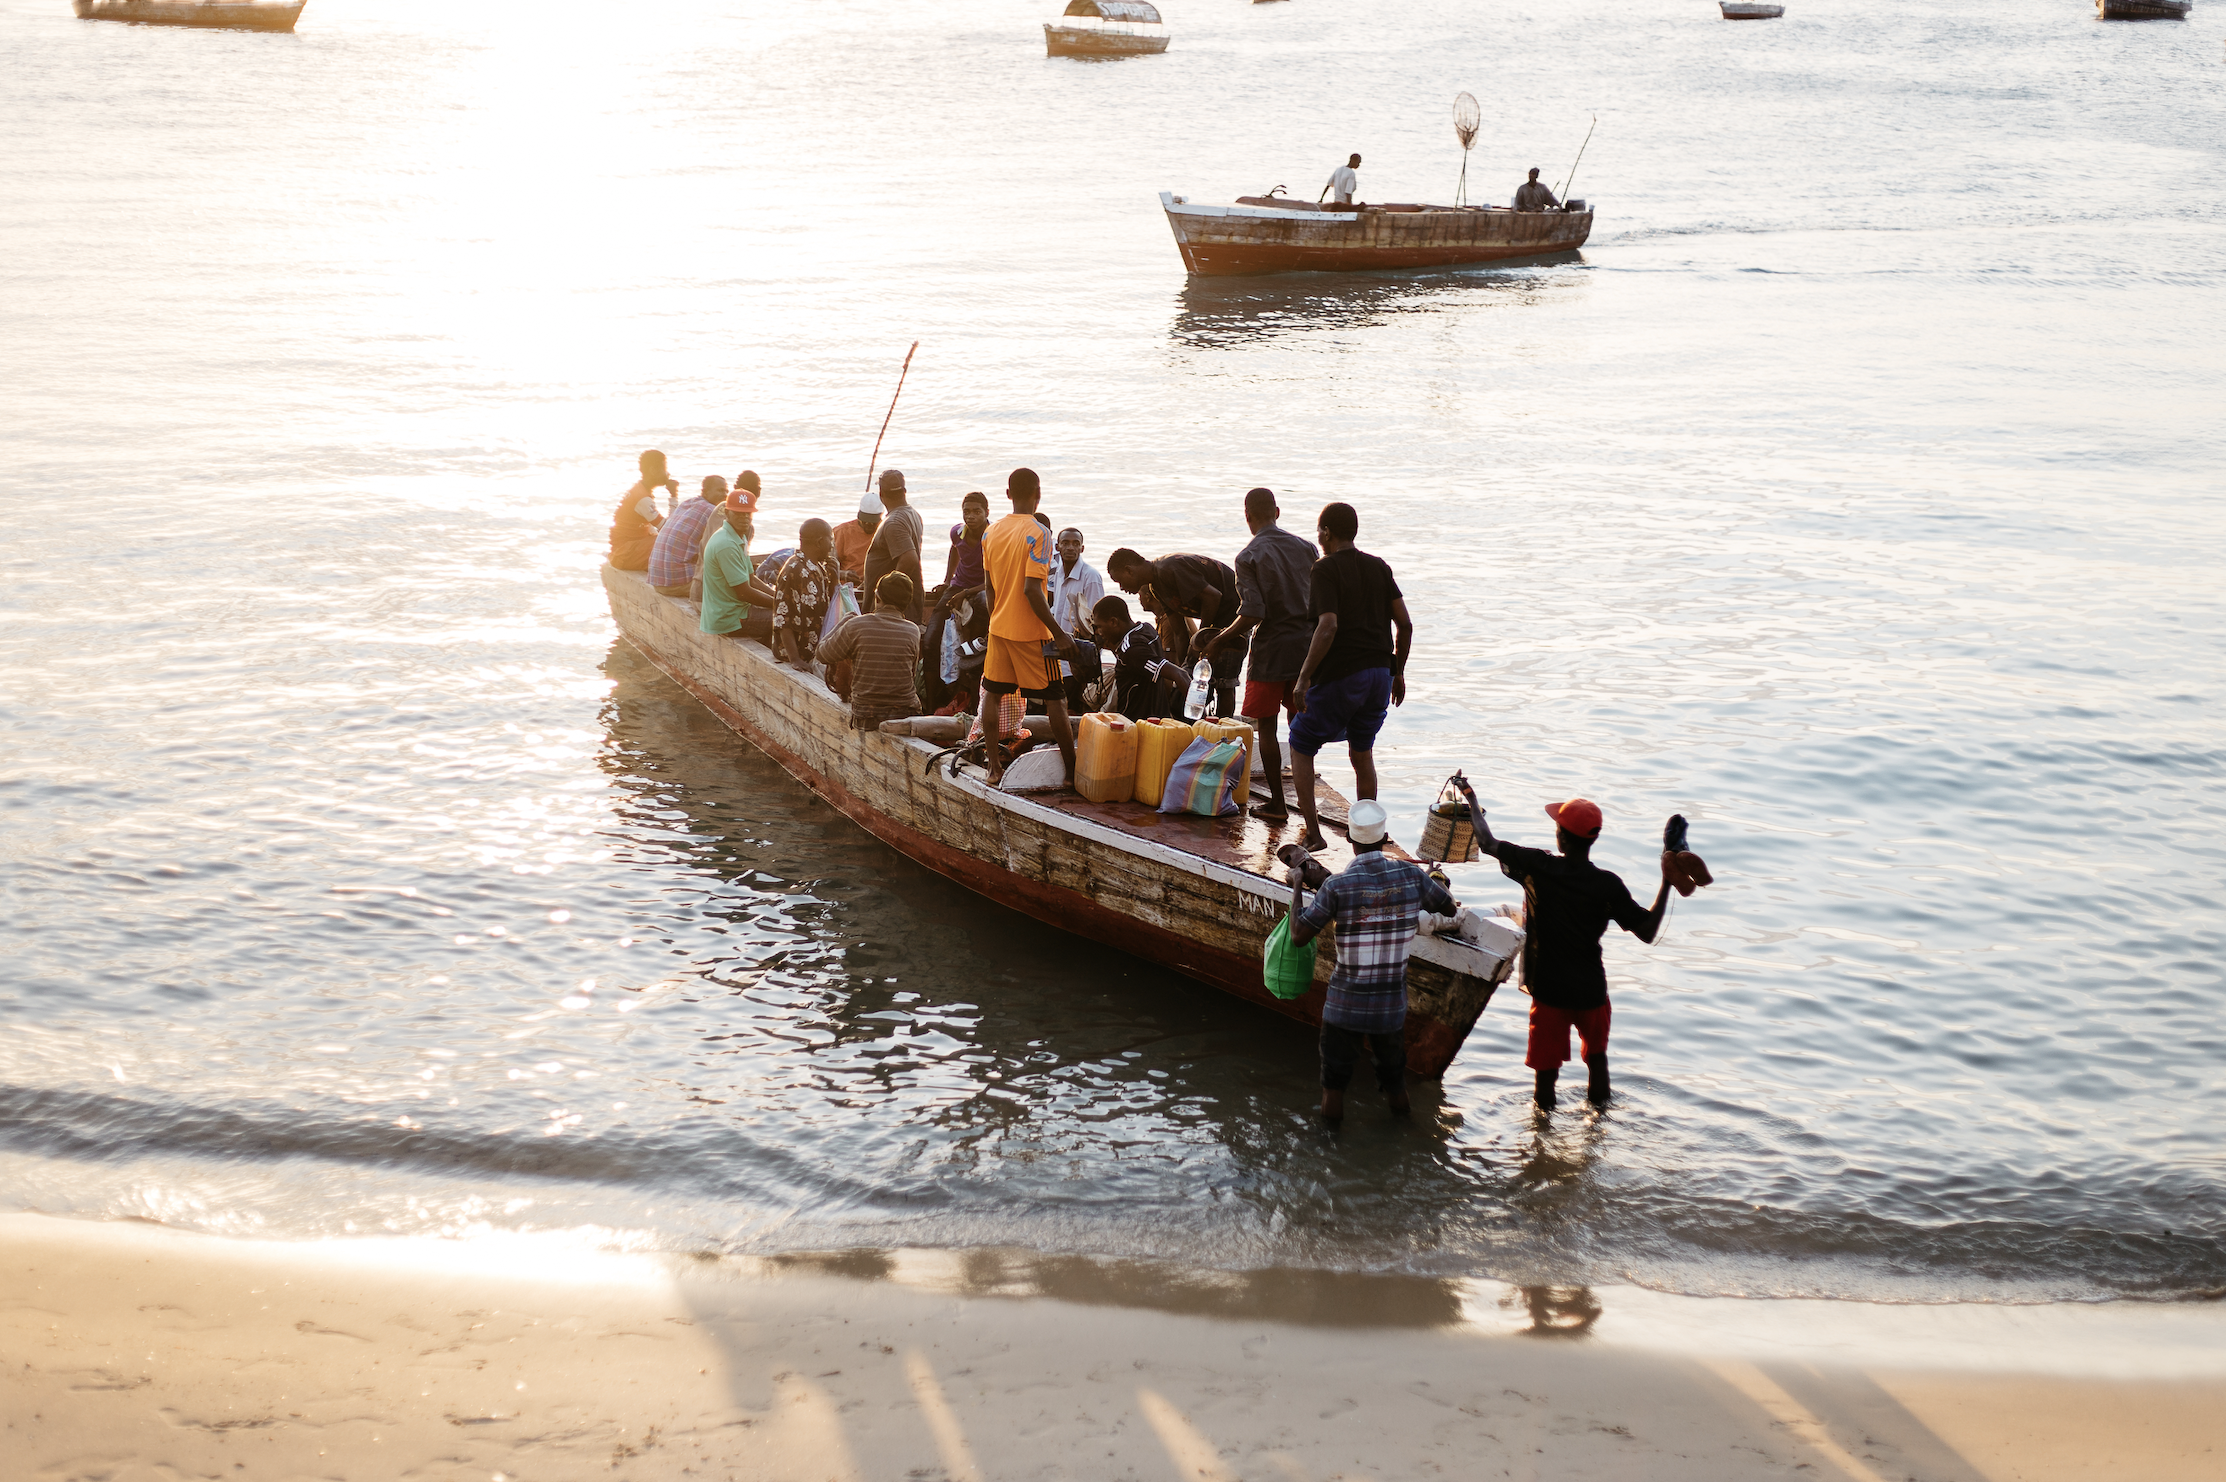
x,y
1568,902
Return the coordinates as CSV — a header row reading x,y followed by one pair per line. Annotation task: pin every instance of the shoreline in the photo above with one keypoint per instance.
x,y
141,1350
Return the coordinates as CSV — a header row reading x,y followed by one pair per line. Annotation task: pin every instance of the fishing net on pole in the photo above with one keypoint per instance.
x,y
1467,118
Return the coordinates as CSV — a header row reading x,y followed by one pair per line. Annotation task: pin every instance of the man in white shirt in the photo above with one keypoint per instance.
x,y
1076,590
1343,183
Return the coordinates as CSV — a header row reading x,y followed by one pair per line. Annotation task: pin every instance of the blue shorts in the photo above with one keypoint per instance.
x,y
1351,710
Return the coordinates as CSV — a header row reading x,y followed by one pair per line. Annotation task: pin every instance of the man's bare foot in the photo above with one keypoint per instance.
x,y
1400,1105
1271,812
1313,839
1333,1109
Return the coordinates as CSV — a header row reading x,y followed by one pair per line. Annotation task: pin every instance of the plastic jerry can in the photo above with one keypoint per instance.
x,y
1105,758
1159,744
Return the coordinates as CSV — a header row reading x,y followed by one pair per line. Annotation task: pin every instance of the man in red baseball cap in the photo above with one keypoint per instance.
x,y
1568,902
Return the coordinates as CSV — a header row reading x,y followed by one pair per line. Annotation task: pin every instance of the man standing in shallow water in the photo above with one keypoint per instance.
x,y
1568,902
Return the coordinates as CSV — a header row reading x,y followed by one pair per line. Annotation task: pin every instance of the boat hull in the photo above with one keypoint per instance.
x,y
1237,241
212,16
2143,10
1746,12
1081,41
1204,921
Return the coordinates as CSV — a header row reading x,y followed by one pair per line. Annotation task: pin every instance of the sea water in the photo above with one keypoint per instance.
x,y
1855,491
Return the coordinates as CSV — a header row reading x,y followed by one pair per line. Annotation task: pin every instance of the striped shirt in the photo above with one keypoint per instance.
x,y
672,562
884,651
1375,901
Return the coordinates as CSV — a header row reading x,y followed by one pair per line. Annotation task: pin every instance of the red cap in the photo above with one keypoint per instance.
x,y
1580,816
742,501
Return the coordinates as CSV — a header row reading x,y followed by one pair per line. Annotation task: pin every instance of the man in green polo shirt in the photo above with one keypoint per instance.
x,y
728,591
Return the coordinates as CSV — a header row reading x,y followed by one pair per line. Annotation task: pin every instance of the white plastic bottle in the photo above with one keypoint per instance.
x,y
1201,689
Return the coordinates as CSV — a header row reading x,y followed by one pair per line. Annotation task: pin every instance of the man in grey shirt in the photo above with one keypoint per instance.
x,y
1531,196
1274,576
896,543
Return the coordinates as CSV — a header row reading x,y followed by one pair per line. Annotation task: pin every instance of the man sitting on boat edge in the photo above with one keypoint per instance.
x,y
884,649
1343,183
727,575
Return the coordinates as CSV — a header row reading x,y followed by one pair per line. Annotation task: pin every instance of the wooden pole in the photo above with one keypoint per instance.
x,y
875,462
1564,191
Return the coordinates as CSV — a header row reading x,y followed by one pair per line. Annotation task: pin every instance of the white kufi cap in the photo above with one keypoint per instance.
x,y
1365,821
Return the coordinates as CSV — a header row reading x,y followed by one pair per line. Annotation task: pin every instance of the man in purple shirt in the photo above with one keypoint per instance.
x,y
673,560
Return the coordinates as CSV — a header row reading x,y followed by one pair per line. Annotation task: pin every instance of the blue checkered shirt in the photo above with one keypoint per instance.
x,y
672,560
1375,901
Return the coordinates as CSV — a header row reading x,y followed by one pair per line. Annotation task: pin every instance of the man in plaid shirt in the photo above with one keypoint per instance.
x,y
1375,901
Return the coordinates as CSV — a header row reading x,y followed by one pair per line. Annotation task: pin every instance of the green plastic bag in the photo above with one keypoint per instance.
x,y
1286,967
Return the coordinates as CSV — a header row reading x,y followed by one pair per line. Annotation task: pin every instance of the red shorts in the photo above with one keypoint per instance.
x,y
1263,700
1549,1034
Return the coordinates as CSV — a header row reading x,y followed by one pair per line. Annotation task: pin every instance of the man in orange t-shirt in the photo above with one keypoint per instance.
x,y
1016,558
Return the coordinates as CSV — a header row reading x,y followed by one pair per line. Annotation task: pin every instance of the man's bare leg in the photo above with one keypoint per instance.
x,y
993,735
1271,762
1596,1079
1364,773
1544,1093
1302,777
1062,731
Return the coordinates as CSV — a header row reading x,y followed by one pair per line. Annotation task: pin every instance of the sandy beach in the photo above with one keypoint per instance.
x,y
134,1351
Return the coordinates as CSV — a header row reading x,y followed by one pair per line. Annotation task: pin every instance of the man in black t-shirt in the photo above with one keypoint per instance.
x,y
1568,902
1185,589
1356,668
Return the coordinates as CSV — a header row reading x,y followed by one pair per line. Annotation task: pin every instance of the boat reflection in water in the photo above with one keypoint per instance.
x,y
1219,313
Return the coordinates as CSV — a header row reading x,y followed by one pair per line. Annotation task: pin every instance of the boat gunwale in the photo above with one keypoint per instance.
x,y
1454,955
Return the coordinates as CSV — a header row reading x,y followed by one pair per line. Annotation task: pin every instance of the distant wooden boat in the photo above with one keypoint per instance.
x,y
2143,10
1270,234
1740,10
1105,28
225,15
1198,895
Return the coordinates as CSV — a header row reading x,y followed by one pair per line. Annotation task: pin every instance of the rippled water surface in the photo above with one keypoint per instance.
x,y
1855,491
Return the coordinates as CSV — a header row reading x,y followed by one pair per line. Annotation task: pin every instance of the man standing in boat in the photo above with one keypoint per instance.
x,y
1023,633
1531,196
1344,184
896,544
1274,579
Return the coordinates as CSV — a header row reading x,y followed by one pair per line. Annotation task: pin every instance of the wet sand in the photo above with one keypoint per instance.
x,y
134,1351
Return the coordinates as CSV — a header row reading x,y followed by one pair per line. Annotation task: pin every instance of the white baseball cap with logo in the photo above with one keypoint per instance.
x,y
1365,822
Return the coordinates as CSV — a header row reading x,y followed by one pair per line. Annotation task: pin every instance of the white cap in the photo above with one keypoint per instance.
x,y
869,503
1364,822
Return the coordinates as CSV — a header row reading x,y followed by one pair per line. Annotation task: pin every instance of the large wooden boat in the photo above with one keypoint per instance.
x,y
228,15
1196,894
1269,234
1106,28
2143,10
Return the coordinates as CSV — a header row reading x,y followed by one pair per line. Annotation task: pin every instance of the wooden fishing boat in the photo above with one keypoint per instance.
x,y
1198,895
1740,10
1269,234
1105,28
2143,10
228,15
